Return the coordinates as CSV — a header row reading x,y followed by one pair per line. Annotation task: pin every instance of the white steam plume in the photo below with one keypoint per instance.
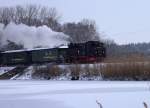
x,y
32,36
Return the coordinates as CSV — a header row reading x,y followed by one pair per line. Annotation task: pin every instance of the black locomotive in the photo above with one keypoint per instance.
x,y
88,52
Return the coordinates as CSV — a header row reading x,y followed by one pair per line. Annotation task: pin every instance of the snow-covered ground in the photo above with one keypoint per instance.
x,y
70,94
5,69
27,74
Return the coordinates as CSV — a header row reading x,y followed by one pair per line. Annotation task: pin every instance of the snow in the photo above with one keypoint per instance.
x,y
33,49
78,94
5,69
64,46
12,51
27,74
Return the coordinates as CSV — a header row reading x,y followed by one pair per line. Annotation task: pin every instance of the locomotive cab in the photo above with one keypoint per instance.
x,y
91,51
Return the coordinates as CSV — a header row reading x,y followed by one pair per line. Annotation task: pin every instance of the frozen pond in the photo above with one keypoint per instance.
x,y
73,94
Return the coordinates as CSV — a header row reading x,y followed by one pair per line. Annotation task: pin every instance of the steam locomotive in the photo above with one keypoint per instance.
x,y
88,52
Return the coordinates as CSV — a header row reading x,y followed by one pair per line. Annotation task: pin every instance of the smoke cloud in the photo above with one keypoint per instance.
x,y
31,36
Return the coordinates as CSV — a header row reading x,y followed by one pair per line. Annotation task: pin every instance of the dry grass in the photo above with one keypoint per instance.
x,y
91,70
46,72
109,71
99,104
127,71
124,68
129,67
75,71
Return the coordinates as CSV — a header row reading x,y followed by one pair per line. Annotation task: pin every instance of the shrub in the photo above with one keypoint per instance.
x,y
127,71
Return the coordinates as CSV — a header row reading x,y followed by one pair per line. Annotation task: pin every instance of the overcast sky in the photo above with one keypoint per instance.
x,y
124,21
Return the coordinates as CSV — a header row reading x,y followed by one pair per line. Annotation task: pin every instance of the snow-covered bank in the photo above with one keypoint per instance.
x,y
78,94
5,69
59,73
100,71
26,75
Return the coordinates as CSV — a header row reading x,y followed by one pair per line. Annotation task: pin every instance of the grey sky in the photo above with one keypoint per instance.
x,y
124,21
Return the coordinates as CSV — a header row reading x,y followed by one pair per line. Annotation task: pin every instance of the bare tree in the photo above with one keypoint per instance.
x,y
32,15
51,18
82,31
5,15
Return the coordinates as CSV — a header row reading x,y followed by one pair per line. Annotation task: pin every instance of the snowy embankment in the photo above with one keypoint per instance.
x,y
5,69
64,73
80,94
27,74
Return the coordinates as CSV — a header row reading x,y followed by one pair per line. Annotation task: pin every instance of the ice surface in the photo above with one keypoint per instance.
x,y
78,94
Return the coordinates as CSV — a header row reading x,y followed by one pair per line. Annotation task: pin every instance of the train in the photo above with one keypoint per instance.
x,y
87,52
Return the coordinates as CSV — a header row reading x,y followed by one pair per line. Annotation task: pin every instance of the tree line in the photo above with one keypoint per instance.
x,y
128,50
31,15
